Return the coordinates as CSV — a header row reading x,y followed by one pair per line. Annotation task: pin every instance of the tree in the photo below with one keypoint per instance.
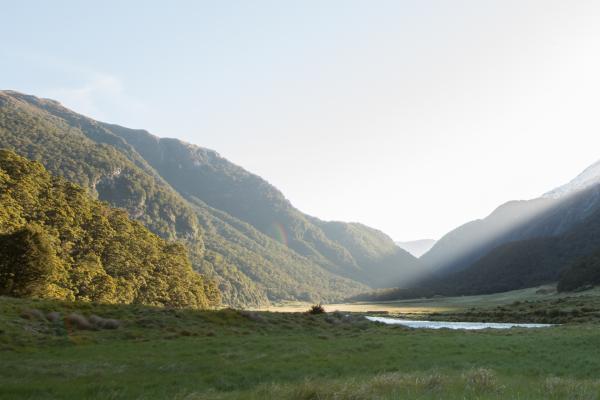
x,y
27,263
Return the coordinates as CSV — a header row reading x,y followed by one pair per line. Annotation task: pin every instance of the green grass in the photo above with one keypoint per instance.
x,y
228,354
555,308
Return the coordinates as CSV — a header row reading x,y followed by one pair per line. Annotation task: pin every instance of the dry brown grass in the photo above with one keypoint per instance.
x,y
32,313
78,321
104,323
53,316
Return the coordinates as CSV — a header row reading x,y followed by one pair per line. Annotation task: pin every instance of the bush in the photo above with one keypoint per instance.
x,y
317,309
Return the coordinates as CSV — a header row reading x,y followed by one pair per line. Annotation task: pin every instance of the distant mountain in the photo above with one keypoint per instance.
x,y
239,229
417,247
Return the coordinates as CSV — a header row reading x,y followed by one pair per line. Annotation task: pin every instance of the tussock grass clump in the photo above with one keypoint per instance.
x,y
252,316
104,323
78,321
391,385
33,314
53,316
569,388
72,321
414,385
433,381
94,322
481,380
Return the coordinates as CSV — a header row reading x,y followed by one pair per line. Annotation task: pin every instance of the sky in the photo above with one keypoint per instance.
x,y
413,117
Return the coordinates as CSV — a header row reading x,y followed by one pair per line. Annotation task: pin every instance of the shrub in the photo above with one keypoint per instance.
x,y
317,309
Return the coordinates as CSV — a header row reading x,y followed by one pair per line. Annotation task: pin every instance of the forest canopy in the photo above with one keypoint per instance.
x,y
58,242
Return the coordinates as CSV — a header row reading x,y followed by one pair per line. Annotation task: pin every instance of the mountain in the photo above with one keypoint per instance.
x,y
532,262
251,269
571,259
521,244
588,178
513,221
584,273
350,250
57,242
417,247
239,229
375,251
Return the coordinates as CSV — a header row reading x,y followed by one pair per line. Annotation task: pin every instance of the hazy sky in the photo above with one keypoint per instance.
x,y
410,116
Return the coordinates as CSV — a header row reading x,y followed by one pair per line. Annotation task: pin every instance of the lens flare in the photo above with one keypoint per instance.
x,y
279,233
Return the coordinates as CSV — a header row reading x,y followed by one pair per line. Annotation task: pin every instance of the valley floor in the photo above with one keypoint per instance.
x,y
436,304
230,354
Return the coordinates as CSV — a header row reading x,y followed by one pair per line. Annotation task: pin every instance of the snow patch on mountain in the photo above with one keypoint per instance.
x,y
588,178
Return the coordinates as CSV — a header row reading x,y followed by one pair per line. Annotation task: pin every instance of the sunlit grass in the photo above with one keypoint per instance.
x,y
439,304
228,354
478,383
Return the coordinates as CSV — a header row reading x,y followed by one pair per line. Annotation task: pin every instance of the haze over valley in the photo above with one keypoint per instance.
x,y
300,200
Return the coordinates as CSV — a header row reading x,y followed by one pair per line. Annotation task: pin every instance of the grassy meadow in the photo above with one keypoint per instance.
x,y
155,353
437,304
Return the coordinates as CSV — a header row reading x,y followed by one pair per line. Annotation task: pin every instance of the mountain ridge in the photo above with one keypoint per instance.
x,y
587,178
188,167
227,240
512,221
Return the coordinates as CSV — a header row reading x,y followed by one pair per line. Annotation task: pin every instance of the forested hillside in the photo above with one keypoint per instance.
x,y
571,259
584,273
375,251
57,242
239,230
532,262
513,221
351,250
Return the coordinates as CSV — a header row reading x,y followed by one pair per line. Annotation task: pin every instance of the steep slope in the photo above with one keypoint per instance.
x,y
385,264
521,244
56,242
570,258
528,263
513,221
201,174
417,247
250,267
585,272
